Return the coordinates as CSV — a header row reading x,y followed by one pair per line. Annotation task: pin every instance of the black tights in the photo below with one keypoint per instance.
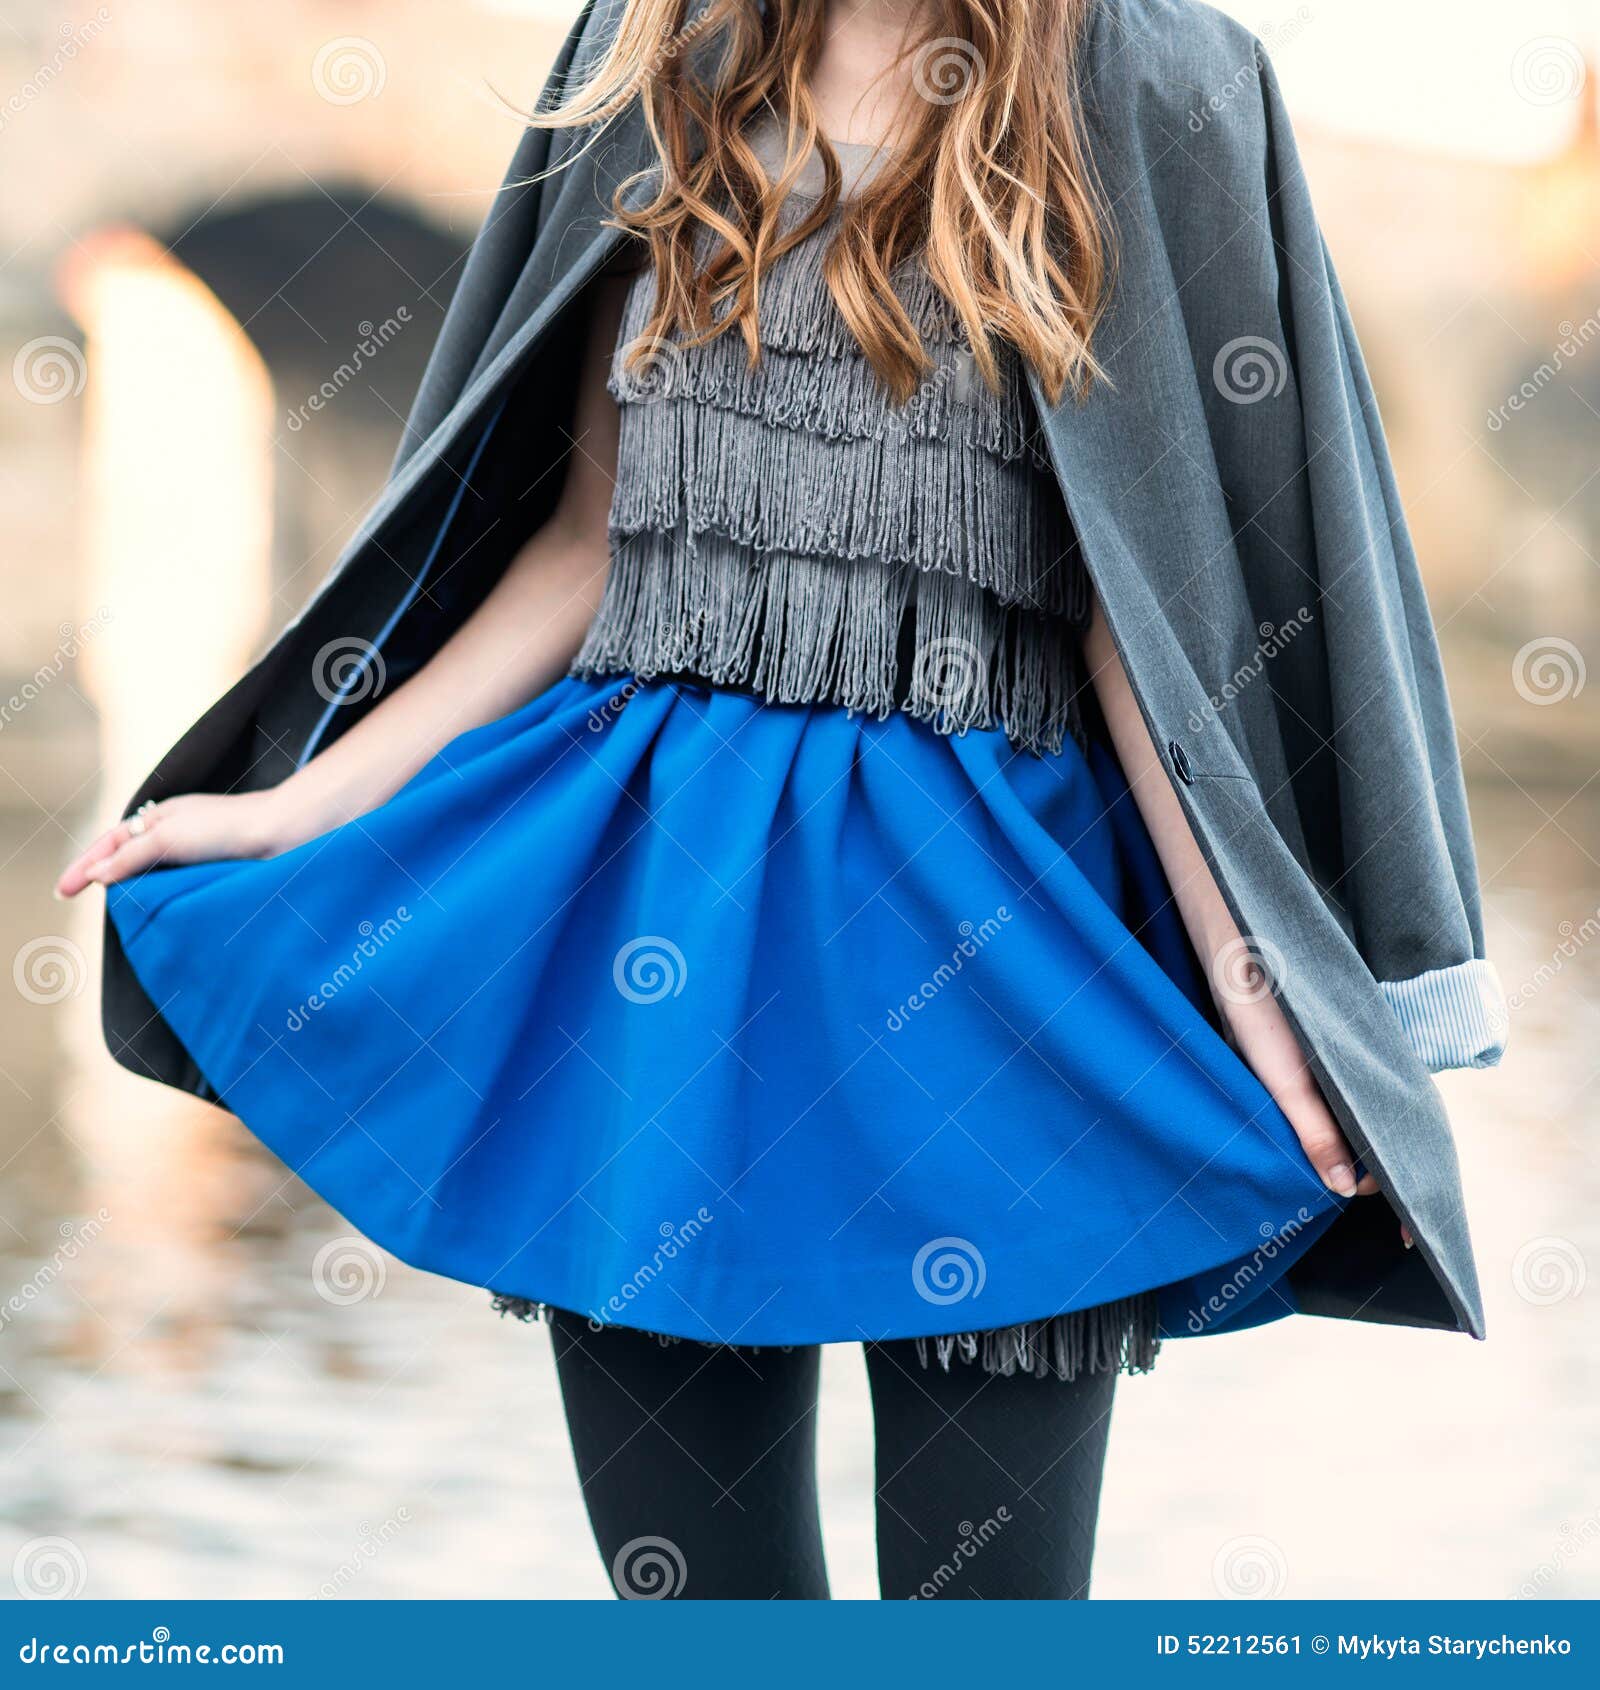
x,y
699,1470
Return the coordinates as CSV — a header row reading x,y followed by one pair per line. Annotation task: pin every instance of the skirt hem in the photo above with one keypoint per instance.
x,y
1117,1337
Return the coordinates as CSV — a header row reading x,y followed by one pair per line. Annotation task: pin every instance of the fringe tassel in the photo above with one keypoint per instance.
x,y
796,312
939,506
801,630
840,398
1120,1337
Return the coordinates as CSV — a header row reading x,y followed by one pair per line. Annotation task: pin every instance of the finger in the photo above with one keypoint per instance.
x,y
1326,1150
134,856
1368,1186
76,874
1406,1238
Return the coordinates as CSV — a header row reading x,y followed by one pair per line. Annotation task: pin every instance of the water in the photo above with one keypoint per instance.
x,y
182,1406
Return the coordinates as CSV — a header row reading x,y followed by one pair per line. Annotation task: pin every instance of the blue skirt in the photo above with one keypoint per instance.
x,y
746,1023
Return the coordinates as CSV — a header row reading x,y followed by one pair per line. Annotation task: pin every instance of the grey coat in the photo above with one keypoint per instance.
x,y
1238,516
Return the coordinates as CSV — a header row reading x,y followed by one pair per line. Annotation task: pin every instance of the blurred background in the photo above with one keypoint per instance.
x,y
227,235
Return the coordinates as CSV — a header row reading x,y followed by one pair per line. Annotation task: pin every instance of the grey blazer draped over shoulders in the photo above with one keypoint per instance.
x,y
1233,499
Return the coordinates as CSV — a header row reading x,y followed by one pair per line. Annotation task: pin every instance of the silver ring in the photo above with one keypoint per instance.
x,y
139,822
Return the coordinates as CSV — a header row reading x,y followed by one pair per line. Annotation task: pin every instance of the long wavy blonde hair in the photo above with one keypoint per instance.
x,y
992,183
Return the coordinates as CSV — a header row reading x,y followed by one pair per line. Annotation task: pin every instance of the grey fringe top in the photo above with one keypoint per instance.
x,y
787,529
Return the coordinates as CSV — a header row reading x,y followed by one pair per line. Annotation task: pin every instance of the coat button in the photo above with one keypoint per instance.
x,y
1180,762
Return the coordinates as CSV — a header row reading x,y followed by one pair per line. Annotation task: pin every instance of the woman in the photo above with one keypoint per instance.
x,y
895,784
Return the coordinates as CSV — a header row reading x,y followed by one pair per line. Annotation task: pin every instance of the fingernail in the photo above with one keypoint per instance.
x,y
1409,1242
1341,1178
59,896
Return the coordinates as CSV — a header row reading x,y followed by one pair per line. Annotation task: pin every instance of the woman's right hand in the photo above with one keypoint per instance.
x,y
196,828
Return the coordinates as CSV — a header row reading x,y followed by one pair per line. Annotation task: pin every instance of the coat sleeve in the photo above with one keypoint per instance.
x,y
1389,767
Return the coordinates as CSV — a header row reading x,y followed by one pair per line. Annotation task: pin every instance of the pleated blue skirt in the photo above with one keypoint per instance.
x,y
747,1023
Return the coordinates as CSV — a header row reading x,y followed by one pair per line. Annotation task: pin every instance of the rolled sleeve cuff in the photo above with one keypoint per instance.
x,y
1455,1017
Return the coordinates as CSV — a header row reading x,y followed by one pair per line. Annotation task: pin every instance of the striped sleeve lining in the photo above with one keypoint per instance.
x,y
1455,1017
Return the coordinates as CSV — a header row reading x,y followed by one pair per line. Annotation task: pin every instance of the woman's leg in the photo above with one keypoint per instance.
x,y
698,1465
987,1486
